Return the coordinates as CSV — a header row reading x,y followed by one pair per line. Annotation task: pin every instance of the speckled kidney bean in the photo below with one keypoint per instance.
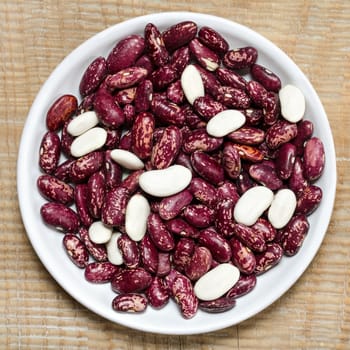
x,y
256,92
224,217
179,34
207,58
207,167
207,107
155,45
265,175
247,135
200,140
97,251
264,227
308,199
126,78
93,76
231,78
60,111
125,96
251,238
221,304
211,84
85,166
114,206
168,112
264,76
305,131
130,302
250,153
142,134
49,153
297,181
131,182
166,148
242,256
183,251
129,250
175,93
131,280
219,247
199,263
182,291
228,190
157,293
280,132
199,215
125,53
163,76
143,96
314,159
231,160
231,97
112,171
244,285
271,108
76,250
171,206
285,159
63,170
203,191
55,190
159,233
164,264
240,58
269,258
109,113
96,189
149,254
100,272
212,39
81,198
294,234
60,217
180,59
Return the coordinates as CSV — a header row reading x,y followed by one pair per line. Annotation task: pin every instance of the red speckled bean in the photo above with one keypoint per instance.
x,y
76,250
60,217
55,190
49,153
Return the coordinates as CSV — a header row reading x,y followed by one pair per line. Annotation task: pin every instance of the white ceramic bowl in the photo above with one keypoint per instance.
x,y
48,243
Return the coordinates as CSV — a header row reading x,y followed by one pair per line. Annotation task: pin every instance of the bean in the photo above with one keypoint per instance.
x,y
188,179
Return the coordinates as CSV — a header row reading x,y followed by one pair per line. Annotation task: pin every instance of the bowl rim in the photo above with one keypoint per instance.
x,y
23,182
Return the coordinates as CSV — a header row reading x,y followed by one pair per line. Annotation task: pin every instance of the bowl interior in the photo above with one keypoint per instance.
x,y
48,243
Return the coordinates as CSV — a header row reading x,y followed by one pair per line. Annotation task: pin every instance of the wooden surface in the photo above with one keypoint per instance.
x,y
35,312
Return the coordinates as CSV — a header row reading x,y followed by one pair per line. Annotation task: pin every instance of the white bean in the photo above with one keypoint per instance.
x,y
292,103
225,122
100,233
282,208
113,252
136,215
252,204
165,182
89,141
127,159
191,83
216,282
82,123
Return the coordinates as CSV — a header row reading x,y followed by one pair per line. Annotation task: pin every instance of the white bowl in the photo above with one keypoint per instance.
x,y
48,243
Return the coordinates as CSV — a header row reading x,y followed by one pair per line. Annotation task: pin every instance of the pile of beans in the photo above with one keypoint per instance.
x,y
182,178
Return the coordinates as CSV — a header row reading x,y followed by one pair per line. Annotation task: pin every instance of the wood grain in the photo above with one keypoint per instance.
x,y
35,313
